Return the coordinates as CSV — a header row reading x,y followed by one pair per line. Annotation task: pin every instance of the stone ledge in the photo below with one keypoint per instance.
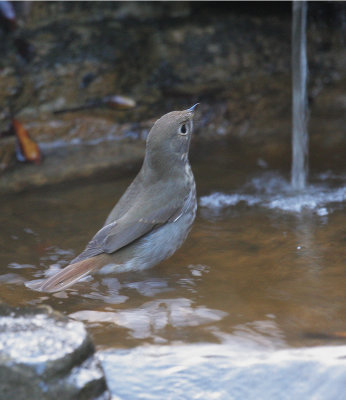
x,y
71,162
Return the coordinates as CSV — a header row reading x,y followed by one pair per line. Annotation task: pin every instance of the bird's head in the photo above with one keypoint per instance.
x,y
169,140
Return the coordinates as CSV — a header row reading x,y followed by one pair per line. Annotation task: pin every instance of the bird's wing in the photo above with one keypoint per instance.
x,y
125,230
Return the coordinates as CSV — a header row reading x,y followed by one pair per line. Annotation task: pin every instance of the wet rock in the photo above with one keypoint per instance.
x,y
44,356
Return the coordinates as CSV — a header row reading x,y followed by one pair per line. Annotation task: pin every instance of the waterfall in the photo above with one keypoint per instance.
x,y
299,97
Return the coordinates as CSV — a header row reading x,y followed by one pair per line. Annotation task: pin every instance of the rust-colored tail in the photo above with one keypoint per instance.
x,y
68,276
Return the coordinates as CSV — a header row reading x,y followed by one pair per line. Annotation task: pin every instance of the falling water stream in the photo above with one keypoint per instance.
x,y
270,189
299,97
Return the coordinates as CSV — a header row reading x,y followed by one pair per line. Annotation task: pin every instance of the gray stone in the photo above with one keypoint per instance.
x,y
44,356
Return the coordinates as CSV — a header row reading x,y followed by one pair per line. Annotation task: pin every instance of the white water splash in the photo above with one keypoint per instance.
x,y
274,192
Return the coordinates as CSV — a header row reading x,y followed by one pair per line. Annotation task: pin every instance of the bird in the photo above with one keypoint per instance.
x,y
152,218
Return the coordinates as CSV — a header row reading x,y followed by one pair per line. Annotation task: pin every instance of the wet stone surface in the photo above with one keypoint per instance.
x,y
44,355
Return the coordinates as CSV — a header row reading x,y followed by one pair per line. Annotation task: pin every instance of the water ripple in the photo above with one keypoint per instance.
x,y
154,316
207,371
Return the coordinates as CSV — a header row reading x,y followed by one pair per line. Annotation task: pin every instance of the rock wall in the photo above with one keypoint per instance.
x,y
234,59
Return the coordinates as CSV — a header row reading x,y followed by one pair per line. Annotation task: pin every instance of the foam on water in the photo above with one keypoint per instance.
x,y
274,192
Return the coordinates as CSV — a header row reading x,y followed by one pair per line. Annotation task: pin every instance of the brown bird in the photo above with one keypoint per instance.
x,y
152,218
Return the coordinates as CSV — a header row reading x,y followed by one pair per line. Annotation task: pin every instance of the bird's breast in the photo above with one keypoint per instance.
x,y
190,205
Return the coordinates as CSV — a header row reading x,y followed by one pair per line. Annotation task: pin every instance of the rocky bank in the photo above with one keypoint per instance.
x,y
234,59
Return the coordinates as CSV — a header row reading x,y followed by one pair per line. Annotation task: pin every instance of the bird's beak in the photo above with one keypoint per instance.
x,y
192,109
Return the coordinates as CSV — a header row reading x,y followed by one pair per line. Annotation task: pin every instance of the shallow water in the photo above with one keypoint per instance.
x,y
250,275
209,371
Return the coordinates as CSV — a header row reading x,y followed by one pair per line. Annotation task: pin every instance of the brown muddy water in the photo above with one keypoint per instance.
x,y
253,306
250,272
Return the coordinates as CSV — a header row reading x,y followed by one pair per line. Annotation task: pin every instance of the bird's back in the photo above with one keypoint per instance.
x,y
126,200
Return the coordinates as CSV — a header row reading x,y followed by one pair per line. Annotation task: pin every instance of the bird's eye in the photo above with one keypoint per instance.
x,y
183,129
